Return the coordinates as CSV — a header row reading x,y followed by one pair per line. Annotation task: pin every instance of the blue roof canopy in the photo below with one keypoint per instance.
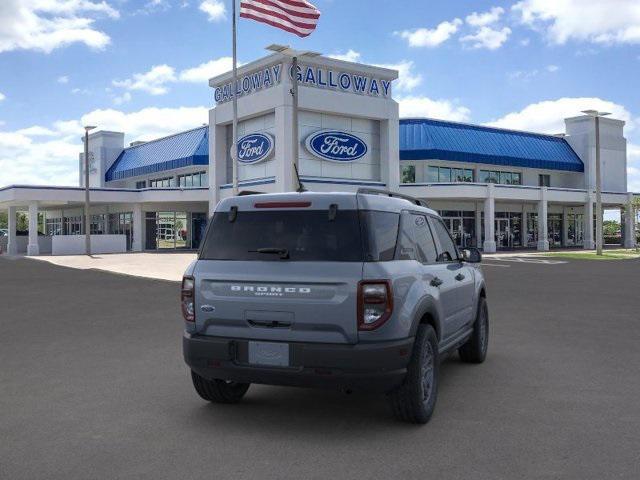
x,y
176,151
427,139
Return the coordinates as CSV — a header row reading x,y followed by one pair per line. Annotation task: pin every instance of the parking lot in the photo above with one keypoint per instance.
x,y
92,385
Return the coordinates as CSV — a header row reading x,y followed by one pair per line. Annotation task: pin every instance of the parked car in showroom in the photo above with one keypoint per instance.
x,y
356,291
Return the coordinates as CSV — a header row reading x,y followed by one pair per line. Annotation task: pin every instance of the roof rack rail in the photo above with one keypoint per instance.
x,y
387,193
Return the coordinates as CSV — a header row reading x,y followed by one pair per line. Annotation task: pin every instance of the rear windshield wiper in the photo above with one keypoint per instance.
x,y
283,252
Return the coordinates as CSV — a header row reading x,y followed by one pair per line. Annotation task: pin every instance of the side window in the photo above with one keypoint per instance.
x,y
416,242
447,251
379,232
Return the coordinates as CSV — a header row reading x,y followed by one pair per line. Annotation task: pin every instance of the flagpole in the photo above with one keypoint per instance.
x,y
294,127
234,144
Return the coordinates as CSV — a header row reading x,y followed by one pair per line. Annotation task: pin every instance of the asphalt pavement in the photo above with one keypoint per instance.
x,y
93,386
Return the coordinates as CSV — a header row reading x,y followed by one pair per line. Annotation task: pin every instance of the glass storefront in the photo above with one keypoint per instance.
x,y
174,230
122,224
461,225
532,230
575,230
554,229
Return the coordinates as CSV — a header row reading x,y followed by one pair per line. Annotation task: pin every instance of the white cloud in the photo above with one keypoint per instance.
x,y
45,25
548,116
120,99
486,18
552,68
487,37
203,72
349,56
2,96
63,79
154,81
595,21
420,106
407,78
525,42
214,9
527,75
424,37
49,155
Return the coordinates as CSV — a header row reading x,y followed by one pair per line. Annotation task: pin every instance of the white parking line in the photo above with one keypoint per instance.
x,y
530,260
494,265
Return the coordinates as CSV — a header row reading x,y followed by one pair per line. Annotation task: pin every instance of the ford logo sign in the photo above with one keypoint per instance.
x,y
255,148
336,146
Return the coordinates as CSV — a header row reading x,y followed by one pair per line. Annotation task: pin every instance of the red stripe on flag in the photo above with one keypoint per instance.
x,y
293,13
294,16
273,13
274,24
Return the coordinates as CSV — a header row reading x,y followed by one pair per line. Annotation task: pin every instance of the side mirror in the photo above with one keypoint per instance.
x,y
471,255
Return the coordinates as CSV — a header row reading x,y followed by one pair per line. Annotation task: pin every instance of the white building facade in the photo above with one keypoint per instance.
x,y
496,189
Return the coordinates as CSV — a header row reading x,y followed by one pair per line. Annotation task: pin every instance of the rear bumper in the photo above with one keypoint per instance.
x,y
378,367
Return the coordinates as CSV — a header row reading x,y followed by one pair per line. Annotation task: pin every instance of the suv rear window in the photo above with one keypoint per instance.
x,y
306,235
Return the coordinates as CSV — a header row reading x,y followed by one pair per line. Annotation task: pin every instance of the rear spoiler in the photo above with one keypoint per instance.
x,y
387,193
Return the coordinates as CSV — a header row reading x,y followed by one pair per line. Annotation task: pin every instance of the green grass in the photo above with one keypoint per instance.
x,y
618,254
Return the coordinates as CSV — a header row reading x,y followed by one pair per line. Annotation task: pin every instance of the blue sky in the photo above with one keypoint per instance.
x,y
141,66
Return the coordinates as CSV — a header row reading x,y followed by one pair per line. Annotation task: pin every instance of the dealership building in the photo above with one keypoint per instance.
x,y
496,189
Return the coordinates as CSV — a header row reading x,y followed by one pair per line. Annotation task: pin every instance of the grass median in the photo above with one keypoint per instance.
x,y
617,254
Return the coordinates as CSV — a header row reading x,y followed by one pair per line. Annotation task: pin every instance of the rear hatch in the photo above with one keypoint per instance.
x,y
281,267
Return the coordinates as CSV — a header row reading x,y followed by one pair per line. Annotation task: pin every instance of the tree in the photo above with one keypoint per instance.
x,y
3,220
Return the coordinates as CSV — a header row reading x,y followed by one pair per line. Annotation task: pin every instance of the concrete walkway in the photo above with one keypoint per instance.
x,y
163,266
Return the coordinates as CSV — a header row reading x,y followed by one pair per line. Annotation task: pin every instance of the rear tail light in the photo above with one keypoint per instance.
x,y
187,299
375,303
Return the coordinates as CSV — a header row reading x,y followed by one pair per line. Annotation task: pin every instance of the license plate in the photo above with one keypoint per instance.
x,y
268,353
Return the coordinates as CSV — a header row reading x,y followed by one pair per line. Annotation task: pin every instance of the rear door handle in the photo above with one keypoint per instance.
x,y
459,277
436,282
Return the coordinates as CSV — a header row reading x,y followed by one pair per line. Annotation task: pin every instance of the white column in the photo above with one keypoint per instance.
x,y
565,227
478,225
543,240
489,245
390,152
138,219
32,247
589,242
285,181
629,224
12,246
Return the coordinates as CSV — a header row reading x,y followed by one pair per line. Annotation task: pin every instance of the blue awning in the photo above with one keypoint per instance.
x,y
427,139
176,151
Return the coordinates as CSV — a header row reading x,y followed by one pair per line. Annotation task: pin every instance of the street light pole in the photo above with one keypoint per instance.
x,y
87,217
599,237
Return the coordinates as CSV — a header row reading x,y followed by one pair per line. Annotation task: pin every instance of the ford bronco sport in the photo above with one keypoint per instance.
x,y
355,291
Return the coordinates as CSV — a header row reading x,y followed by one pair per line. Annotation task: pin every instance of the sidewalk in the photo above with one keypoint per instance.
x,y
163,266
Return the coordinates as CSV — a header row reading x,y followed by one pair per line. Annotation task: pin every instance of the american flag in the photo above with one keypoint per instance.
x,y
294,16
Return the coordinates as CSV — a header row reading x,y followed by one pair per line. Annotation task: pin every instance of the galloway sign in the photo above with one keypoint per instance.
x,y
255,148
336,146
308,76
248,84
328,78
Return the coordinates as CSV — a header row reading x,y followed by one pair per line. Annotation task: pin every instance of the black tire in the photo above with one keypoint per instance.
x,y
415,400
475,349
219,391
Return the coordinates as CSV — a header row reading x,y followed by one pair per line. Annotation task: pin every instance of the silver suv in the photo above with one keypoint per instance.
x,y
355,291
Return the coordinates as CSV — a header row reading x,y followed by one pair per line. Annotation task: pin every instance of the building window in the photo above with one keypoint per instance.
x,y
142,184
544,180
408,174
162,182
503,178
191,180
447,174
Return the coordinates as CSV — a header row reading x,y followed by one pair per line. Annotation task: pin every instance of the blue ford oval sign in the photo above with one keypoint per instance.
x,y
336,146
255,148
